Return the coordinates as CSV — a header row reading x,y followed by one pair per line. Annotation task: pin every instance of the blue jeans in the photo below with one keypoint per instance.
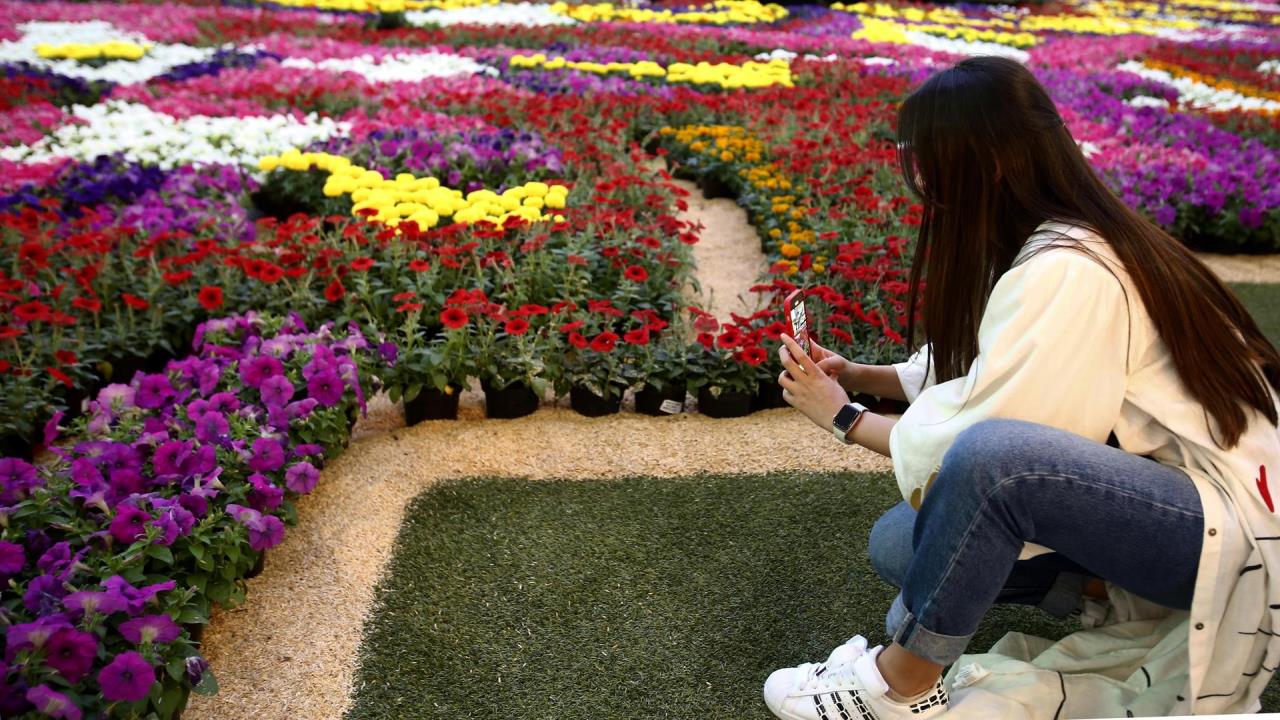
x,y
1105,512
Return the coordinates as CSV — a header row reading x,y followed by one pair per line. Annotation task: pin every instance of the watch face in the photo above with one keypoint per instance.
x,y
845,417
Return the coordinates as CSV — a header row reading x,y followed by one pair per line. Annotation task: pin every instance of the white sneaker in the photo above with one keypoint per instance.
x,y
853,690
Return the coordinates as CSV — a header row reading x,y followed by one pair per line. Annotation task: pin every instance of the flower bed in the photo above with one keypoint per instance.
x,y
471,199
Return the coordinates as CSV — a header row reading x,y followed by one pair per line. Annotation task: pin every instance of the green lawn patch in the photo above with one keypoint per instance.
x,y
1263,301
654,598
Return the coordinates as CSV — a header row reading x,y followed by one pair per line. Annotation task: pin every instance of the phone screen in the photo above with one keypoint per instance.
x,y
800,324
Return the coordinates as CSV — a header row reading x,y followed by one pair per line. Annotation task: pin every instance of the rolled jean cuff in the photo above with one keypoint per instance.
x,y
921,641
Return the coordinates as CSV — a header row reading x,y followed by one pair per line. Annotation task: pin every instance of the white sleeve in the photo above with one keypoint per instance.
x,y
1052,349
916,373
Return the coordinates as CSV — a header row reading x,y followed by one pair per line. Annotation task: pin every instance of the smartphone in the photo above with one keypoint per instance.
x,y
798,320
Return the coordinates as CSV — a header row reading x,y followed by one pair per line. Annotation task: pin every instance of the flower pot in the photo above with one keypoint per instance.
x,y
15,446
513,401
431,404
665,400
729,403
768,395
586,402
713,187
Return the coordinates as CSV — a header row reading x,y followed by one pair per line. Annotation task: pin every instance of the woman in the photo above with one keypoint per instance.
x,y
1054,318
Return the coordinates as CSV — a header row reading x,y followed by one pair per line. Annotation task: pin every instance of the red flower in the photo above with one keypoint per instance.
x,y
66,357
729,338
706,340
177,278
28,312
210,297
604,342
9,333
402,297
60,376
533,309
409,307
361,264
134,301
516,326
453,318
635,273
576,260
270,273
637,337
753,355
419,265
334,291
577,340
4,366
93,305
570,327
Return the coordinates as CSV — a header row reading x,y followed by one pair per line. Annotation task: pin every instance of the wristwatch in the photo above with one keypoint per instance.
x,y
846,419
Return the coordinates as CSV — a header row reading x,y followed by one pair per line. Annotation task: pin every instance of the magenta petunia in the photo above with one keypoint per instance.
x,y
53,704
71,653
172,457
326,388
301,478
150,629
33,635
17,479
12,558
258,370
264,495
265,531
129,524
212,427
268,455
127,678
154,392
276,391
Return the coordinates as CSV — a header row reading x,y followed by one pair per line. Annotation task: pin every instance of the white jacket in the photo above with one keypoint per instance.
x,y
1062,342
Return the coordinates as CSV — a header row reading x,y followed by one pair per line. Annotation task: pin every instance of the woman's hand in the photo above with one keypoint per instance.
x,y
807,387
836,367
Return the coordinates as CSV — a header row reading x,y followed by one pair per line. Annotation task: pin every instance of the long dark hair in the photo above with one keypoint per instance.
x,y
985,149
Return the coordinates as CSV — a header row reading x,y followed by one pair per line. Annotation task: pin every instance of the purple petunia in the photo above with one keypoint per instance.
x,y
71,653
212,427
172,458
326,388
265,531
194,668
17,478
127,678
258,370
32,635
276,391
129,524
301,478
264,495
44,594
135,598
12,558
84,602
268,455
154,392
55,558
150,629
53,704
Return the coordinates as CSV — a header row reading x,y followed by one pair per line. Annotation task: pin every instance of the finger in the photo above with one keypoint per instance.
x,y
801,357
786,380
798,355
788,362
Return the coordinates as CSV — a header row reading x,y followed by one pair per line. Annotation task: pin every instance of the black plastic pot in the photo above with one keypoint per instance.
x,y
768,395
513,401
15,446
590,404
729,403
713,187
258,565
431,404
650,400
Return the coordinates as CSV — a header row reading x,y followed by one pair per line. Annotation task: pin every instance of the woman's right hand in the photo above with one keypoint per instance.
x,y
837,368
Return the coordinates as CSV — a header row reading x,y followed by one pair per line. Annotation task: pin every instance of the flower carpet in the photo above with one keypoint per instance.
x,y
227,226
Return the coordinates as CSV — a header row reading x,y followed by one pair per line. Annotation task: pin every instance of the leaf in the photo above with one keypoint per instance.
x,y
208,684
161,553
174,697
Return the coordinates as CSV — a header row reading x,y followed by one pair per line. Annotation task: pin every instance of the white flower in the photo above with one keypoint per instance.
x,y
1193,93
877,60
523,13
144,135
1148,101
405,67
965,47
1270,66
160,59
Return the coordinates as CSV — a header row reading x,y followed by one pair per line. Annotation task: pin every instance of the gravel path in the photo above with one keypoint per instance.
x,y
1244,268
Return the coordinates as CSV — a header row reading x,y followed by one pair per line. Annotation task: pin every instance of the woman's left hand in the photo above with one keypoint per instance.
x,y
806,387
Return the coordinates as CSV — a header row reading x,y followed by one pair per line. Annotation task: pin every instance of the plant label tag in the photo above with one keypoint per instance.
x,y
671,407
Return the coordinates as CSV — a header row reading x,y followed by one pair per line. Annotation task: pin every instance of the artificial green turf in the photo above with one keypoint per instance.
x,y
1263,301
639,598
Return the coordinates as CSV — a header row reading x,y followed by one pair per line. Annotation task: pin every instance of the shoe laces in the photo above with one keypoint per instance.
x,y
837,669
